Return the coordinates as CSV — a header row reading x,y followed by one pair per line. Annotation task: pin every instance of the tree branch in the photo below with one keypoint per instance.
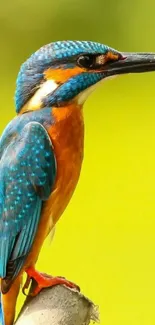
x,y
58,305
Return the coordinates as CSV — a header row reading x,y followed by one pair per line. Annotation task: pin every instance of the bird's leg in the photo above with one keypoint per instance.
x,y
44,281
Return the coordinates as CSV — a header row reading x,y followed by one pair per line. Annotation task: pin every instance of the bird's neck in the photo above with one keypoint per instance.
x,y
70,108
68,126
63,117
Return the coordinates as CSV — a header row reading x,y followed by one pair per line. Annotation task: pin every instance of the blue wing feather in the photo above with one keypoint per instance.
x,y
27,175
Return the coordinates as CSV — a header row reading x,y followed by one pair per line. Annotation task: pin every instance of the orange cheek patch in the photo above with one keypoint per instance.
x,y
112,56
103,59
62,75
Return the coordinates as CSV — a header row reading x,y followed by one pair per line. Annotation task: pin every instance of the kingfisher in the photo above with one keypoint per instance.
x,y
41,152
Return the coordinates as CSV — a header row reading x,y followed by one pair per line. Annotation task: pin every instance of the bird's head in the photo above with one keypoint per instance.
x,y
64,71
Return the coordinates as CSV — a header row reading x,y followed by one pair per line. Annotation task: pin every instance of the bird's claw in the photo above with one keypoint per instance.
x,y
26,285
44,280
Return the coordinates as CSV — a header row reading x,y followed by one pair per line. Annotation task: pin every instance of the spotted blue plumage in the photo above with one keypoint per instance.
x,y
27,175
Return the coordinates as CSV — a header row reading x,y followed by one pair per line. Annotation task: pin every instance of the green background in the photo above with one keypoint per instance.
x,y
105,240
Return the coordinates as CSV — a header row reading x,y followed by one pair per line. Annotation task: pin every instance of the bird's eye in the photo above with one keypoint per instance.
x,y
86,61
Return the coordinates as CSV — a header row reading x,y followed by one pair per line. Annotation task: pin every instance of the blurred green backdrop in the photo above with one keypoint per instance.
x,y
105,240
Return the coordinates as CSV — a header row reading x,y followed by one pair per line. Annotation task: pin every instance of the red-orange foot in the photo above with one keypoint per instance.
x,y
44,281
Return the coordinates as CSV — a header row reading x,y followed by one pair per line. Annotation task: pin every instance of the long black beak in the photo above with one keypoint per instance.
x,y
131,63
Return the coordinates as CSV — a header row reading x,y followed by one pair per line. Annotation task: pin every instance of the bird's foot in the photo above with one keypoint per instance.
x,y
44,281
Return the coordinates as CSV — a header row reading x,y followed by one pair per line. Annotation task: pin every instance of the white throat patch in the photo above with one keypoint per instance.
x,y
45,89
83,95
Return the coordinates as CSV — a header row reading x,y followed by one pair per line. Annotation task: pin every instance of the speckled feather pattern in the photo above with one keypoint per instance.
x,y
27,174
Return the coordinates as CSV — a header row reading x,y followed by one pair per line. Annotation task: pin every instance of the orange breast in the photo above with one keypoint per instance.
x,y
67,136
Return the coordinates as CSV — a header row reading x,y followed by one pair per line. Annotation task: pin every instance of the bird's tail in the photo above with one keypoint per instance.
x,y
8,303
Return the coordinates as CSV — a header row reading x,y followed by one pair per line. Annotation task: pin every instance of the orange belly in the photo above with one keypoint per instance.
x,y
67,135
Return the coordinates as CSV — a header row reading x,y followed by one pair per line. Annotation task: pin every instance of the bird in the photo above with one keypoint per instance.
x,y
41,152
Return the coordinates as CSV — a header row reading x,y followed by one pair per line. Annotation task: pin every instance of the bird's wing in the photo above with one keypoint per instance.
x,y
27,175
